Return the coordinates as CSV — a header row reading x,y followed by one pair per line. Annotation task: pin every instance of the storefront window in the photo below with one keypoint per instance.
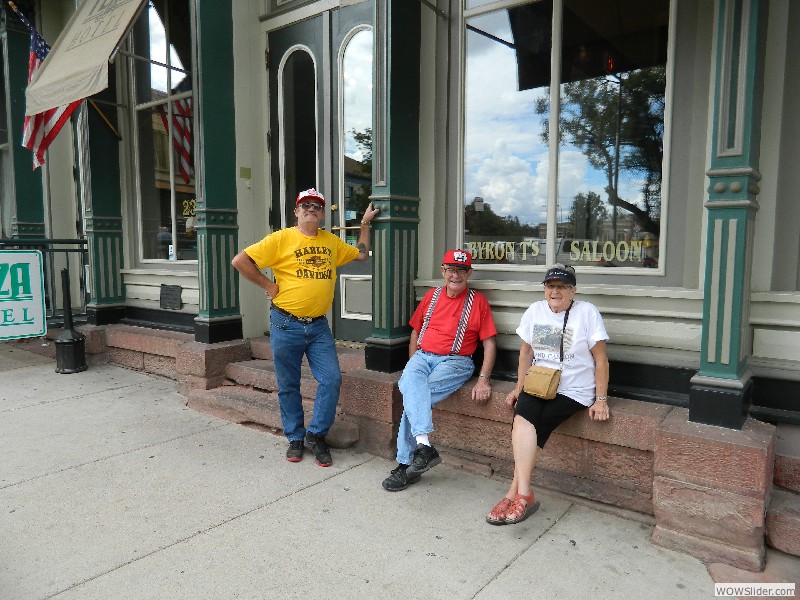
x,y
603,202
164,130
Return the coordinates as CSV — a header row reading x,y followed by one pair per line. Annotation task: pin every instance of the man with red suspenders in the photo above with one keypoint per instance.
x,y
446,328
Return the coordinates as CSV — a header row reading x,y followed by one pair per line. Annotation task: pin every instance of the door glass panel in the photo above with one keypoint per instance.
x,y
299,131
356,88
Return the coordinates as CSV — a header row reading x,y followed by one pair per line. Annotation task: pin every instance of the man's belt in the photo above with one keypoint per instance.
x,y
286,313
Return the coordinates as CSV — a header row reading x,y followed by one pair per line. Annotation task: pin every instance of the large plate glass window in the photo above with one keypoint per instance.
x,y
603,203
162,89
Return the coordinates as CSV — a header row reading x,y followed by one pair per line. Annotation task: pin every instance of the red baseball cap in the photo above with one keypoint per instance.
x,y
310,195
457,258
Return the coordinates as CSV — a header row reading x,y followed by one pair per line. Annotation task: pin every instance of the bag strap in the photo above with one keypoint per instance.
x,y
564,330
462,323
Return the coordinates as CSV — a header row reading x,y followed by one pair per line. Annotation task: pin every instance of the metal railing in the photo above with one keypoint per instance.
x,y
56,255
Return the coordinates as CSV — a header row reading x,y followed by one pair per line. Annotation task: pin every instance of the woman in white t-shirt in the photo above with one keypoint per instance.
x,y
584,381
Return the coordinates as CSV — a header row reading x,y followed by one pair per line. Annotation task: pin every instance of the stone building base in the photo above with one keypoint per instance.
x,y
711,489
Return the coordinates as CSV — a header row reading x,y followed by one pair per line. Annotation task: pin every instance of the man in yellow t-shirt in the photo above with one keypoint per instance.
x,y
304,260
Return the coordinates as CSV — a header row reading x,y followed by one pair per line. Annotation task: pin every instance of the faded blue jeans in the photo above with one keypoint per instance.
x,y
290,340
426,379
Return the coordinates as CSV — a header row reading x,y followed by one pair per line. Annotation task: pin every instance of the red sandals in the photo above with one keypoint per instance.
x,y
521,508
497,516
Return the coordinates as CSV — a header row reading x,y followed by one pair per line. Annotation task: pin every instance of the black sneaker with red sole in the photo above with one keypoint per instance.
x,y
294,453
317,445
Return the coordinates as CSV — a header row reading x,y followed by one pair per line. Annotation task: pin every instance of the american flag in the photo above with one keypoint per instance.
x,y
181,135
41,129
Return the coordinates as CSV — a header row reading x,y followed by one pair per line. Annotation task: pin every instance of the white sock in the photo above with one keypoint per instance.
x,y
423,439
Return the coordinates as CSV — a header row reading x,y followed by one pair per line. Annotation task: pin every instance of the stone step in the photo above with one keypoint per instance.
x,y
145,340
257,373
142,349
787,457
783,522
260,374
244,405
238,404
350,358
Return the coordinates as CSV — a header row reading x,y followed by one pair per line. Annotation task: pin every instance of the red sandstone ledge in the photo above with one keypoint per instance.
x,y
737,461
149,341
632,424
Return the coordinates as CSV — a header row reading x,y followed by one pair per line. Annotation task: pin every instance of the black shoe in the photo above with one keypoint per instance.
x,y
294,453
398,480
425,457
316,443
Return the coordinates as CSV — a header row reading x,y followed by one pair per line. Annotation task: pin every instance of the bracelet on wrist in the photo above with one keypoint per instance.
x,y
482,376
367,223
601,398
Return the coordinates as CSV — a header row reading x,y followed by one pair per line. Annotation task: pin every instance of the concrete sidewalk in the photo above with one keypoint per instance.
x,y
110,488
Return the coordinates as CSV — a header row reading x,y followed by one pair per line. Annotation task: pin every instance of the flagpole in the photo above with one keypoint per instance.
x,y
105,119
16,10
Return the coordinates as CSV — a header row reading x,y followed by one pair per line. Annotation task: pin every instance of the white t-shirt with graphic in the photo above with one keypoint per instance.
x,y
541,328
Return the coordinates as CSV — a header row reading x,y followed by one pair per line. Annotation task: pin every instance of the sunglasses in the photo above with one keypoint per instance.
x,y
310,206
455,270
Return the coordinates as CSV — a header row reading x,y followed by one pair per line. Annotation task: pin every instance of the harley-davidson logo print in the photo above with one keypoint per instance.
x,y
314,262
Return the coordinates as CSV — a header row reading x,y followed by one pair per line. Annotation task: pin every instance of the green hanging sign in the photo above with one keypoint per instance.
x,y
22,309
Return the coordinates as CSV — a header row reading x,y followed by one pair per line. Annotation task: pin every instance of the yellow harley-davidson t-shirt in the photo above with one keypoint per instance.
x,y
304,268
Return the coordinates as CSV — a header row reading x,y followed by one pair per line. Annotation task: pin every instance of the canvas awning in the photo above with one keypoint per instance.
x,y
77,65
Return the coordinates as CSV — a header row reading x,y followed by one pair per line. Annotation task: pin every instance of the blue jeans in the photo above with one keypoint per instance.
x,y
427,379
290,340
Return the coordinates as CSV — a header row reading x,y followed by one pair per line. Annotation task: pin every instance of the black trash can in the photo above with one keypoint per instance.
x,y
70,344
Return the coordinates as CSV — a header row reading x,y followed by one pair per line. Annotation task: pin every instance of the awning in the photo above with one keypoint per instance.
x,y
77,65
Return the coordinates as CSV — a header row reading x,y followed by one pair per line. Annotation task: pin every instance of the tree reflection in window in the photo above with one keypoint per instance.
x,y
607,199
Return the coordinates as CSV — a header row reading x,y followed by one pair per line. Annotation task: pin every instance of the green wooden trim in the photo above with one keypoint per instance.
x,y
216,217
395,257
728,255
104,235
741,39
22,229
27,183
396,176
733,187
104,154
216,113
219,287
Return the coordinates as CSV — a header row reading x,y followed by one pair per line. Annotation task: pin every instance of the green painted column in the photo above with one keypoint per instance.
x,y
219,318
98,162
26,184
721,391
395,182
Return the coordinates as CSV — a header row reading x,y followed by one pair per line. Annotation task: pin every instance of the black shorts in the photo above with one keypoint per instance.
x,y
546,415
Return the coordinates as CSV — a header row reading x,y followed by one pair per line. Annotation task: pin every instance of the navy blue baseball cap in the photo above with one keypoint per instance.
x,y
562,273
